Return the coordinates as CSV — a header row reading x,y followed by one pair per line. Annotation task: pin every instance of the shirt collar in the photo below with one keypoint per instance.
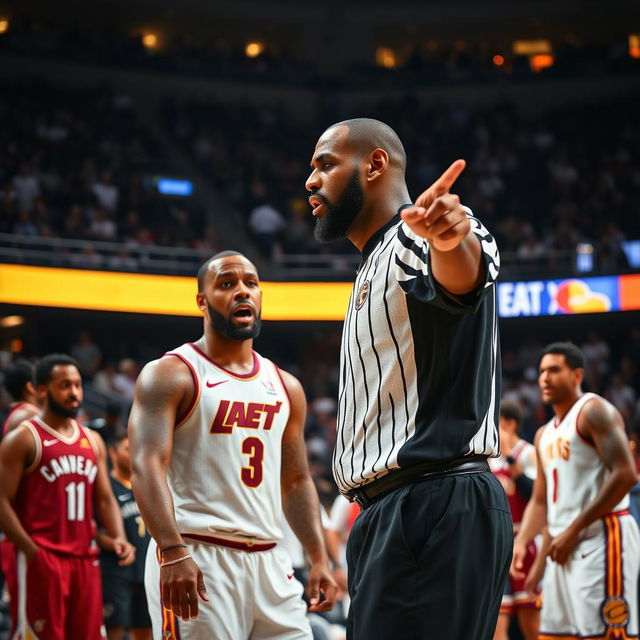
x,y
379,233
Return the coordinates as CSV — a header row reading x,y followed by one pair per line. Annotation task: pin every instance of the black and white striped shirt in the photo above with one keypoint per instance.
x,y
419,368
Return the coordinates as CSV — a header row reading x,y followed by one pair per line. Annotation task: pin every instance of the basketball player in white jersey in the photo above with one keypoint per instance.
x,y
585,471
217,451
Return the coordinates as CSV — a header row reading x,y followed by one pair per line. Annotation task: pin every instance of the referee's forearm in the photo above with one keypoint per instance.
x,y
460,270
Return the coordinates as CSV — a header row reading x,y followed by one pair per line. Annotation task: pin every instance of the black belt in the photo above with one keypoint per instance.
x,y
369,493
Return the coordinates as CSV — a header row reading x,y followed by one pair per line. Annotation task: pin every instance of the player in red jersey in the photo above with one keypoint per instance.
x,y
53,476
18,381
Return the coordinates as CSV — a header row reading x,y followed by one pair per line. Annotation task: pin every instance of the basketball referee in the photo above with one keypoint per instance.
x,y
419,394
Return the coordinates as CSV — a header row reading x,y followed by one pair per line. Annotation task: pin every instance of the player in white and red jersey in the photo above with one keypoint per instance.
x,y
516,470
217,451
585,471
52,476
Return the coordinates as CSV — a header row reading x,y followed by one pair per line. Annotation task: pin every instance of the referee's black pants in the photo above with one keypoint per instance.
x,y
428,561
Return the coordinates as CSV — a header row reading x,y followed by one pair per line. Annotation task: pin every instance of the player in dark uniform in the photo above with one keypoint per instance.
x,y
125,601
53,475
419,394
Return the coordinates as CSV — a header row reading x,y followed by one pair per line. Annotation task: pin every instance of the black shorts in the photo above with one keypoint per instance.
x,y
124,603
429,560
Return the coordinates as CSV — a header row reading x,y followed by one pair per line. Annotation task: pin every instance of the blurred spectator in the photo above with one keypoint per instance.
x,y
122,261
24,225
103,227
622,396
86,353
27,187
106,193
266,224
126,380
110,423
596,352
88,258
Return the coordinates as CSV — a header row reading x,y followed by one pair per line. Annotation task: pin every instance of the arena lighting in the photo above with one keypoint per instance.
x,y
174,187
11,321
4,26
634,45
290,301
254,49
498,60
150,40
531,47
386,57
541,61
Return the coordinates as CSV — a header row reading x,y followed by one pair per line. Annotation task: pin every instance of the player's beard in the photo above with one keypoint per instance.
x,y
339,216
225,326
59,409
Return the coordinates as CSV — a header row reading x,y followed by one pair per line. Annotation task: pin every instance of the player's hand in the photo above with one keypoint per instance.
x,y
125,551
321,581
562,545
31,553
438,215
181,585
534,577
341,580
517,561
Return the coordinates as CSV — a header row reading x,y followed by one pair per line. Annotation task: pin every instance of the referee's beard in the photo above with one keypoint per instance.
x,y
225,326
340,215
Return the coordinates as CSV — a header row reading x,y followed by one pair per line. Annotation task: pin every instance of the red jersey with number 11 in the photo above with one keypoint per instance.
x,y
54,501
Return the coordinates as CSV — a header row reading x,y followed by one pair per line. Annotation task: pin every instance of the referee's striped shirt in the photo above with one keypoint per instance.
x,y
419,368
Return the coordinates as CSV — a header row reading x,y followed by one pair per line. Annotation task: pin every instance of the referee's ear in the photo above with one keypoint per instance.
x,y
378,164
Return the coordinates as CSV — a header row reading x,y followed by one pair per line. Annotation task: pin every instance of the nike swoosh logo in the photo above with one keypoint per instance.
x,y
215,384
584,555
123,498
48,443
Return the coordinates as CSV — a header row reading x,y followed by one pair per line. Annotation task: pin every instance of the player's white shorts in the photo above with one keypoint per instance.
x,y
594,595
252,596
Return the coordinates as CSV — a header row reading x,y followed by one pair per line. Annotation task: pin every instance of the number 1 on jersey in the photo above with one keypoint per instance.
x,y
251,475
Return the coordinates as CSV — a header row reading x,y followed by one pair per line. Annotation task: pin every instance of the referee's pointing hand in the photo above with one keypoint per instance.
x,y
438,215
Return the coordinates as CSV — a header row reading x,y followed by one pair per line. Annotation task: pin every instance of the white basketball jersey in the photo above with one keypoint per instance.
x,y
224,474
573,470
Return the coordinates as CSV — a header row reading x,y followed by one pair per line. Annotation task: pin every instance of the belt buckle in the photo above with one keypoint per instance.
x,y
359,500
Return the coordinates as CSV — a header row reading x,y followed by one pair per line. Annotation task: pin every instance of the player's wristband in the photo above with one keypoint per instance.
x,y
510,460
173,546
168,563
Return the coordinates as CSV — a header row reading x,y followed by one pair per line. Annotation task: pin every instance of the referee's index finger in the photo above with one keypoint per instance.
x,y
444,183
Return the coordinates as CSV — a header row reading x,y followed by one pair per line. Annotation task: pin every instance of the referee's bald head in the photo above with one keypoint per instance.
x,y
367,134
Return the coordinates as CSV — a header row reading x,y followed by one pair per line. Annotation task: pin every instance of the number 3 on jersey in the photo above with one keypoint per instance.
x,y
251,475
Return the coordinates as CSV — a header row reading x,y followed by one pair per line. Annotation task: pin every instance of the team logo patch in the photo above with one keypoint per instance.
x,y
269,388
84,444
615,612
363,294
